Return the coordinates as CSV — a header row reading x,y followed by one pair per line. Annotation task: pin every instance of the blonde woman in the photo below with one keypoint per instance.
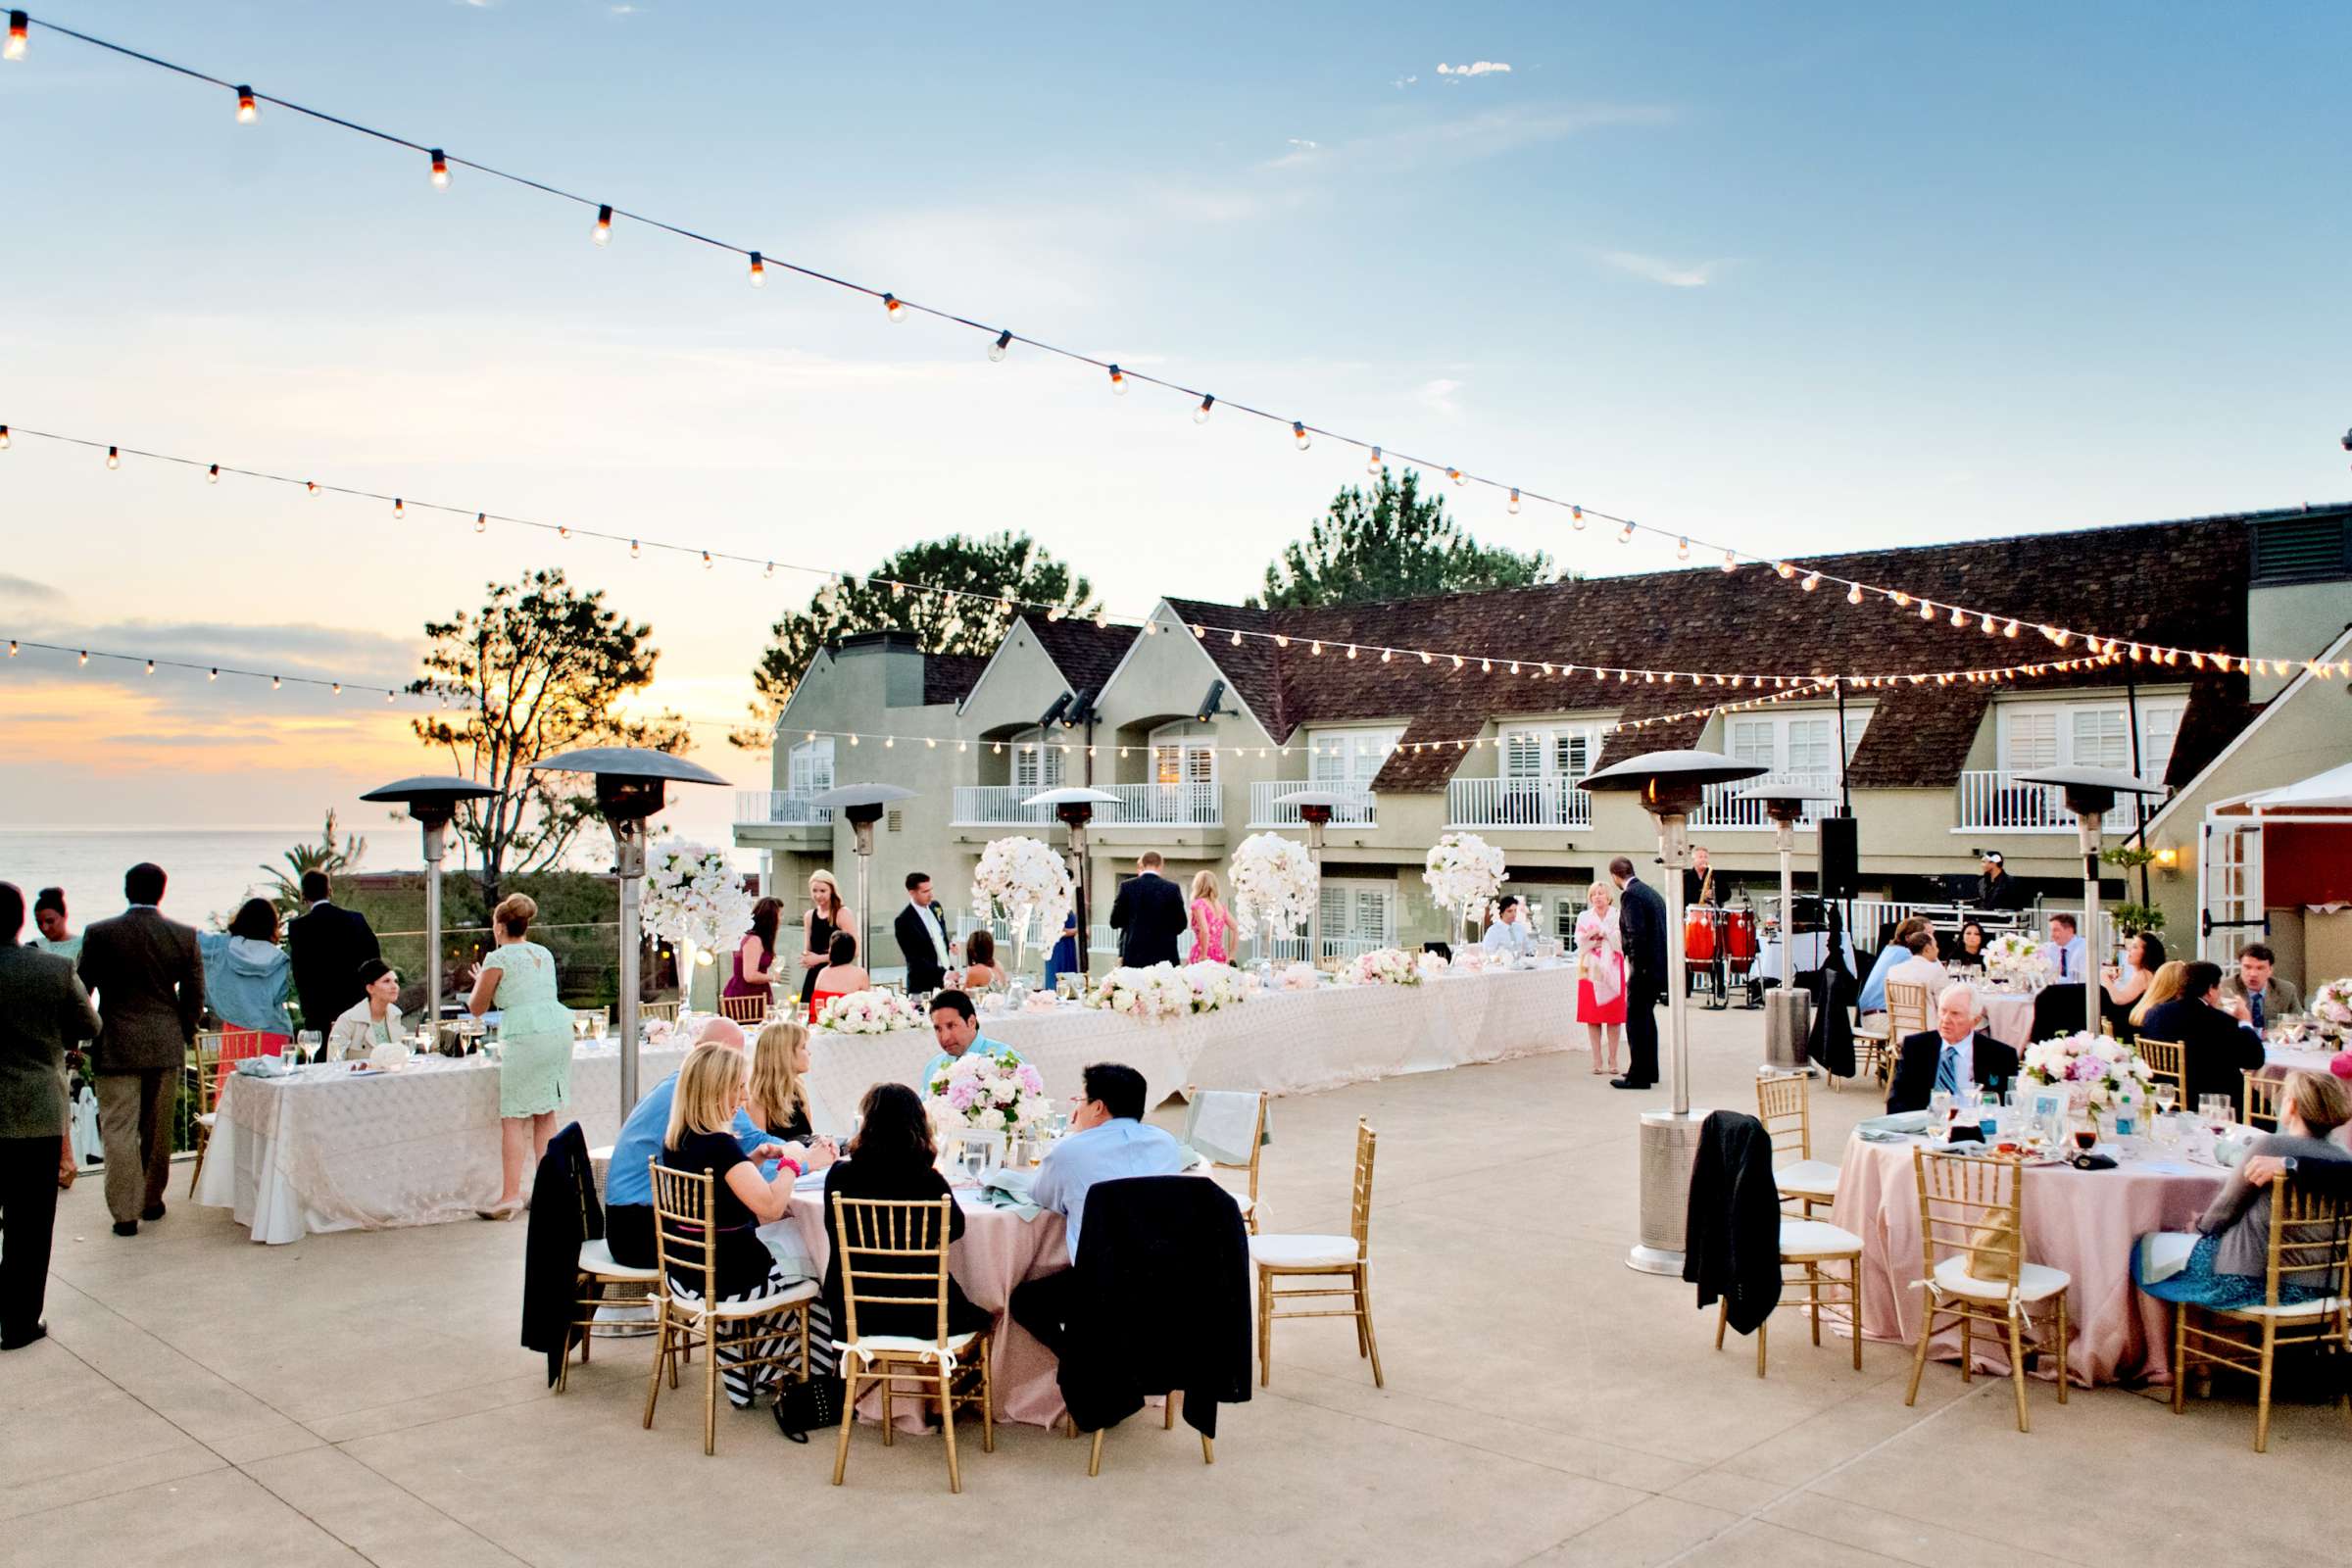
x,y
1600,983
534,1046
825,915
2170,985
1211,924
779,1098
701,1140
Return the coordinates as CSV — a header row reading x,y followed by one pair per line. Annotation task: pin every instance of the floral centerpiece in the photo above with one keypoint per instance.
x,y
1020,878
1299,977
1214,985
1469,961
694,897
988,1091
870,1012
1382,967
1154,994
2095,1070
2331,1009
1464,872
2015,958
1274,882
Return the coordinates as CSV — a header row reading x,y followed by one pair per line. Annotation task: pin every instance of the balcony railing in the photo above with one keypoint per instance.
x,y
1263,812
1197,805
1724,805
1506,802
778,808
1995,801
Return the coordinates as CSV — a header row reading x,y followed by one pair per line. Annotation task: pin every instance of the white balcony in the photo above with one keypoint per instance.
x,y
1196,804
1995,801
1517,803
778,808
1726,807
1263,812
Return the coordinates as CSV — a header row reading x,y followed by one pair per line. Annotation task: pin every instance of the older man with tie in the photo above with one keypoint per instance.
x,y
1956,1057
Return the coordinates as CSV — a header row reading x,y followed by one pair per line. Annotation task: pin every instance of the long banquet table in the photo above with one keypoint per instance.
x,y
326,1149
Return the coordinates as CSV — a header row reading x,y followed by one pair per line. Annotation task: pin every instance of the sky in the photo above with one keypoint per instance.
x,y
1799,279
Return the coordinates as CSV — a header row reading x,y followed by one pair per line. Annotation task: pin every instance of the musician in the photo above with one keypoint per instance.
x,y
1698,891
1698,881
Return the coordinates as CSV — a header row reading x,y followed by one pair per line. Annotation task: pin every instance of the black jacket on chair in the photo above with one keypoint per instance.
x,y
327,945
1732,1231
564,1213
1164,1304
1831,1043
1994,1065
1149,915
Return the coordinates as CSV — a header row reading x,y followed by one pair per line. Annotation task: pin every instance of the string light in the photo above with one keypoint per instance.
x,y
632,550
211,475
1208,401
1626,534
18,24
1731,563
151,666
1455,474
1853,595
311,486
3,438
998,349
481,522
1298,434
113,456
893,308
1375,463
759,270
604,223
1512,505
248,111
440,174
1575,517
1118,382
1681,550
275,684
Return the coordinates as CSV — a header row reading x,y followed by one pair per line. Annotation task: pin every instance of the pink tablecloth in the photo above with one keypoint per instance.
x,y
2081,1221
999,1250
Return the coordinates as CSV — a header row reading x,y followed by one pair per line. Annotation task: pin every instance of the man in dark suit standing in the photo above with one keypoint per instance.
x,y
1955,1055
149,977
1642,928
327,945
922,939
44,1010
1147,914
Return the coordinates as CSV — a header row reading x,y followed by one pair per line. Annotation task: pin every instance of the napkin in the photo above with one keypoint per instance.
x,y
1005,1188
262,1066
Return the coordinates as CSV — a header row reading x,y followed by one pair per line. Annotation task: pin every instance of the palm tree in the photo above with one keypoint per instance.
x,y
325,856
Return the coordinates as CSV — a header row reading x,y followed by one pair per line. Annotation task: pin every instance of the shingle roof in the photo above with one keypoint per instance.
x,y
947,677
2180,584
1084,653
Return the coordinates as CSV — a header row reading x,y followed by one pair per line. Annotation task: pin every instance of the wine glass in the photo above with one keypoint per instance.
x,y
2085,1133
1939,1108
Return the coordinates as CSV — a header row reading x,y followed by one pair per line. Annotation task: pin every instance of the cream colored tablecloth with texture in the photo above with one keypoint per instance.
x,y
325,1150
2081,1221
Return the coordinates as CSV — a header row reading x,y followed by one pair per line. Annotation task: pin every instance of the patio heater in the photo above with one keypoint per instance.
x,y
629,788
432,800
2090,794
1075,804
1315,809
861,806
1672,784
1786,806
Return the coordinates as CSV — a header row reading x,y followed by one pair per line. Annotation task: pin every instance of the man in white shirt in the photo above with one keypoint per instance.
x,y
2066,951
1954,1056
1508,934
922,939
1921,968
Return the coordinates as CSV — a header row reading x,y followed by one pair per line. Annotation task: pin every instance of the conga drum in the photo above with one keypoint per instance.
x,y
1740,939
1698,934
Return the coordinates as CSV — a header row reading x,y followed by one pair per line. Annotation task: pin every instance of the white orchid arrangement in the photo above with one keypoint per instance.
x,y
1154,994
990,1091
870,1012
2017,958
1464,872
1021,877
1274,882
694,897
1382,967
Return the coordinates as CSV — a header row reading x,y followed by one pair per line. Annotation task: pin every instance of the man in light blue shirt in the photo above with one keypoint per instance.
x,y
2066,952
1108,1143
1509,934
957,1028
628,1180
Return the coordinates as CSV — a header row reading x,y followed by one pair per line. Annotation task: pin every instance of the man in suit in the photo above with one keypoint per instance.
x,y
2216,1051
1641,926
327,945
2066,951
149,976
922,939
1956,1057
2255,994
44,1010
1149,914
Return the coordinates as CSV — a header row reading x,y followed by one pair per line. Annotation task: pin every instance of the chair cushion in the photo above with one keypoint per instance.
x,y
1812,1238
597,1258
757,1307
209,1118
1807,1178
873,1344
1304,1252
2291,1309
2035,1284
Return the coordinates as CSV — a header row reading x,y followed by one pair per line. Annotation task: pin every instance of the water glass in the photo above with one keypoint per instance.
x,y
1939,1108
2166,1092
975,1159
307,1043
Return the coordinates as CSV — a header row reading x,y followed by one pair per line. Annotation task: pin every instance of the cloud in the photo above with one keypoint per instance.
x,y
1658,271
1438,395
624,11
1310,146
1404,81
25,591
1467,138
1476,68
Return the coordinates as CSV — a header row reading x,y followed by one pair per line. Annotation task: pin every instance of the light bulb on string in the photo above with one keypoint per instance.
x,y
310,486
1681,550
1576,519
1455,474
19,24
1786,570
632,550
151,666
212,475
113,456
440,174
1959,616
1927,611
214,675
759,270
563,530
1375,463
1512,505
1811,583
481,522
1853,594
1730,561
1298,434
1208,401
1626,533
387,696
769,571
85,655
998,349
2009,630
338,688
1118,382
705,560
604,225
248,111
3,438
894,307
277,684
1902,600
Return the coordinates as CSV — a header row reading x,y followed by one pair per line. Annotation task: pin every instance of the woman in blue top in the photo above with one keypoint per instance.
x,y
246,978
534,1046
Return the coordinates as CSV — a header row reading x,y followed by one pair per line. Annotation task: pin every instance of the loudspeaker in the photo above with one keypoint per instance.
x,y
1840,856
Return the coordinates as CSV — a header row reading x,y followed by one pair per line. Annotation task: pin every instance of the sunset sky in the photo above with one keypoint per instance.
x,y
1808,280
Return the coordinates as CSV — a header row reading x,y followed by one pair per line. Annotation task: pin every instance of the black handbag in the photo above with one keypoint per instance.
x,y
802,1407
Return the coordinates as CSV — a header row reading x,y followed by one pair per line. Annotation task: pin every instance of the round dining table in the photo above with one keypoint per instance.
x,y
2081,1221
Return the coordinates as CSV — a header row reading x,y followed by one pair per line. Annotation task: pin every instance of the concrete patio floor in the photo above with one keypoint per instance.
x,y
360,1397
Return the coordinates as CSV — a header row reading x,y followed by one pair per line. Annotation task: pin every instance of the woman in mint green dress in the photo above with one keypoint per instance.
x,y
534,1046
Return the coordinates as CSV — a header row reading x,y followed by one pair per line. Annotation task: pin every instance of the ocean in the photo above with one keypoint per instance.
x,y
211,870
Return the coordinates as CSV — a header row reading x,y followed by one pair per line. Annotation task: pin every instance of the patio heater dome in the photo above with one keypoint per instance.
x,y
1073,804
1671,783
1317,805
1782,803
431,797
2090,792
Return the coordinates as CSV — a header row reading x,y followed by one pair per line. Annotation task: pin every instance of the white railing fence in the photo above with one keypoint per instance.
x,y
1263,812
778,808
1727,805
1993,800
1189,805
1507,803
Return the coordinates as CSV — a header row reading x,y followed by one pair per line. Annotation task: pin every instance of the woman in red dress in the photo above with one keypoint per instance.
x,y
1600,967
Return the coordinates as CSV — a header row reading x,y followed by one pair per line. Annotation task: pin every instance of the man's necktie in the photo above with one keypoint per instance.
x,y
1947,1070
2255,997
2061,963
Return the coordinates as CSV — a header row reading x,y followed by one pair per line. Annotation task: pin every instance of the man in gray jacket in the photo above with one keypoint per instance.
x,y
149,976
43,1009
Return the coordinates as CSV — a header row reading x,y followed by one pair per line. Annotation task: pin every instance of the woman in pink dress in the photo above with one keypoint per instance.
x,y
1211,926
1600,985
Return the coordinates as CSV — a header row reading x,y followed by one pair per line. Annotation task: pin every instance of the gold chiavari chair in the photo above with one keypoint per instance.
x,y
914,1236
744,1009
2165,1061
1348,1257
1875,1046
667,1012
208,1097
2310,1247
1910,1010
595,1275
1785,1105
1198,1099
2258,1100
1810,1245
1972,1217
686,1246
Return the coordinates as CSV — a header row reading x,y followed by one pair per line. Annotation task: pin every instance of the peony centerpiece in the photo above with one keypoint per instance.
x,y
1274,882
1382,967
1154,994
1298,977
1214,985
1464,872
2015,958
2095,1070
988,1091
2331,1009
694,897
870,1012
1019,879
